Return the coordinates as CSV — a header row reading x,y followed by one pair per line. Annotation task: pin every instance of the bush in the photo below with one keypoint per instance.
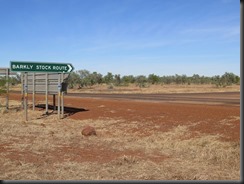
x,y
3,82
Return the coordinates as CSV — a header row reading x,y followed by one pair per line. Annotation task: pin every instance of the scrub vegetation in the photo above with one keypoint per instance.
x,y
85,78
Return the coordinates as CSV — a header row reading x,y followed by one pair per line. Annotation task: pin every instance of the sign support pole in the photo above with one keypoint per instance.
x,y
46,94
59,89
62,98
26,98
62,104
54,102
7,88
22,90
33,92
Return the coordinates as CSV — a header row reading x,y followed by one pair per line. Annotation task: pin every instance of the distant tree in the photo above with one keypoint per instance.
x,y
153,79
85,79
108,79
189,80
117,79
183,79
237,79
74,80
217,80
99,78
207,80
96,78
167,79
202,80
228,78
128,79
178,79
141,81
196,79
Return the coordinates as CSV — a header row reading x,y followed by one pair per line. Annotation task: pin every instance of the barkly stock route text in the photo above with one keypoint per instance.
x,y
40,67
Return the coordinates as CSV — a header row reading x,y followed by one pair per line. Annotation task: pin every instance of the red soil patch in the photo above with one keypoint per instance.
x,y
99,154
209,119
158,116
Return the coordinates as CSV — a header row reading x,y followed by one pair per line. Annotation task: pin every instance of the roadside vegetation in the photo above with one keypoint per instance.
x,y
86,79
13,80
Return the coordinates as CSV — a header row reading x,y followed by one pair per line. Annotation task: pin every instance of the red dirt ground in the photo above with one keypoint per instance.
x,y
164,115
152,115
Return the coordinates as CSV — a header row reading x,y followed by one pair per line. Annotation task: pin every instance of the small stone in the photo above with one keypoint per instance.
x,y
88,131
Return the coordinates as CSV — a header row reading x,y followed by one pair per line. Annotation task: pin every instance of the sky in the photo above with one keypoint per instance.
x,y
126,37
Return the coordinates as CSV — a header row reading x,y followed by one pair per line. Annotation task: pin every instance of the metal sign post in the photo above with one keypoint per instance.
x,y
46,94
62,103
54,102
7,88
33,92
22,90
62,97
59,91
26,98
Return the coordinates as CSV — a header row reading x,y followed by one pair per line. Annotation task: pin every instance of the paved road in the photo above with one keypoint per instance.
x,y
230,98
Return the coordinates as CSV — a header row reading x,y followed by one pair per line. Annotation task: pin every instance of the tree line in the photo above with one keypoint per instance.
x,y
85,78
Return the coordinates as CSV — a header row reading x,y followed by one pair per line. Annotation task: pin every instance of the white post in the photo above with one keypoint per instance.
x,y
7,87
26,96
33,90
62,98
59,89
22,90
46,94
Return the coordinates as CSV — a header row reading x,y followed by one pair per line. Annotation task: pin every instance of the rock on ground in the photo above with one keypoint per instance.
x,y
88,131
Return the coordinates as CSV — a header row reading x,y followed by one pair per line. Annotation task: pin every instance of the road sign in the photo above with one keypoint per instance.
x,y
44,83
6,71
22,66
37,83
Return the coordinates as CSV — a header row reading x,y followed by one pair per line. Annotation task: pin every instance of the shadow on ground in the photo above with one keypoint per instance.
x,y
68,111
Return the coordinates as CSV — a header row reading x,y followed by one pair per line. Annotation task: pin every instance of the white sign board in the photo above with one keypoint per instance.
x,y
40,82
